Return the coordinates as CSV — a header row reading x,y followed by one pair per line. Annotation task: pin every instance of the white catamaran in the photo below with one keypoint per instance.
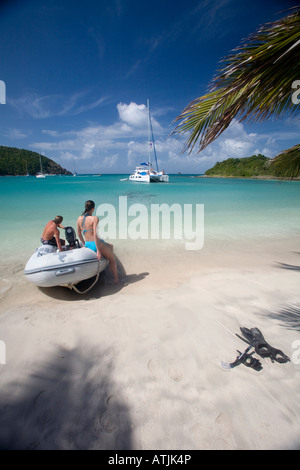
x,y
144,173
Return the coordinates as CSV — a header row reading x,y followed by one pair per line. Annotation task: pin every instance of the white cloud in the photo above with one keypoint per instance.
x,y
110,161
132,123
42,107
34,105
50,132
68,156
135,117
125,143
133,114
15,134
236,148
235,142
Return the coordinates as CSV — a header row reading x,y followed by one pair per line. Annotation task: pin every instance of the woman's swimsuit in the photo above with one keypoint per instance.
x,y
91,245
88,244
83,225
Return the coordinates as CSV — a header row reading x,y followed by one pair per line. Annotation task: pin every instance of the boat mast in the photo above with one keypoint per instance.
x,y
149,134
151,138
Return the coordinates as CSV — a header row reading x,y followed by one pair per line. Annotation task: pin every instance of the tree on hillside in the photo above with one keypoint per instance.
x,y
15,161
254,83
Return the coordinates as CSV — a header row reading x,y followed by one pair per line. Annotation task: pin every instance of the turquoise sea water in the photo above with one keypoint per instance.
x,y
234,209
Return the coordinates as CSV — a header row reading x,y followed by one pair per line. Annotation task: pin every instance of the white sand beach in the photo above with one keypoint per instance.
x,y
138,366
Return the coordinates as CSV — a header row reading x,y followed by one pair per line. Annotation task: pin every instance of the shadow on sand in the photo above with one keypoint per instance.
x,y
289,267
288,316
67,402
105,285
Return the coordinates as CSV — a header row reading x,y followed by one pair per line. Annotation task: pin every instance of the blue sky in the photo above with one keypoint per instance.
x,y
78,76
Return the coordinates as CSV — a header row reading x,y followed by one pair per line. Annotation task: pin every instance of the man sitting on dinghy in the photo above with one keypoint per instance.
x,y
87,227
50,234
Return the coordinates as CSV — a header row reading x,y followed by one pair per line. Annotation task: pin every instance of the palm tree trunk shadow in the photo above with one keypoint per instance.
x,y
70,402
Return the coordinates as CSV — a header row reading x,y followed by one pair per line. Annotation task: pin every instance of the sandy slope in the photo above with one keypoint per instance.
x,y
138,366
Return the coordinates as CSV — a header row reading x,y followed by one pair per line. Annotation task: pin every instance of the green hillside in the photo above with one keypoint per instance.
x,y
14,161
250,167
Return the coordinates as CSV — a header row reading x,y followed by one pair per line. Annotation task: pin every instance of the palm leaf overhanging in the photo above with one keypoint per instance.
x,y
253,85
287,163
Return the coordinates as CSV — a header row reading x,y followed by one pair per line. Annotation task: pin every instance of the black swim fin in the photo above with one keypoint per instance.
x,y
249,361
255,338
245,358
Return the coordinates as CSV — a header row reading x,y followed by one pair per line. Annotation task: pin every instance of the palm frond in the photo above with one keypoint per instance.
x,y
254,84
287,163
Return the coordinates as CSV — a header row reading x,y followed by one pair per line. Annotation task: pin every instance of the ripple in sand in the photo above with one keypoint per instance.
x,y
45,417
175,373
5,285
109,421
155,367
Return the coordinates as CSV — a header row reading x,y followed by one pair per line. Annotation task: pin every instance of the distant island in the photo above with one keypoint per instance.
x,y
257,166
17,162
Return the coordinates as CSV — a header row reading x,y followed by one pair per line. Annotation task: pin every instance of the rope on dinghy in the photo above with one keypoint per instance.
x,y
73,286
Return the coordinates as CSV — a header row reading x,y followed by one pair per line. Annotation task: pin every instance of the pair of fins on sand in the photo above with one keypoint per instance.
x,y
256,340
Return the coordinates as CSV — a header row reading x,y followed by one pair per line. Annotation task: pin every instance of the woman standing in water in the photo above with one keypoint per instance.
x,y
87,228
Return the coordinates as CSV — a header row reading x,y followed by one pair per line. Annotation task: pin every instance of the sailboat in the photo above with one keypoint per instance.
x,y
144,173
41,174
27,172
74,172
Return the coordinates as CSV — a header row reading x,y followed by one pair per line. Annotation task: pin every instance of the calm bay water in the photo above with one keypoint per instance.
x,y
234,209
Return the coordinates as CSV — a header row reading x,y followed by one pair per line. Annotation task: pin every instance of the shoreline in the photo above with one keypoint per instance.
x,y
194,175
138,366
272,178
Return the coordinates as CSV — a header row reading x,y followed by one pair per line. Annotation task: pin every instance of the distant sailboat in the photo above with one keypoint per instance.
x,y
27,172
75,172
41,174
144,173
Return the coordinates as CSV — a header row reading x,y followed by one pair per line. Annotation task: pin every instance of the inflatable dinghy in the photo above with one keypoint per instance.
x,y
48,267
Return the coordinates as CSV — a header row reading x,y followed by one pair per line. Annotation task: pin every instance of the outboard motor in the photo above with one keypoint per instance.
x,y
71,238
